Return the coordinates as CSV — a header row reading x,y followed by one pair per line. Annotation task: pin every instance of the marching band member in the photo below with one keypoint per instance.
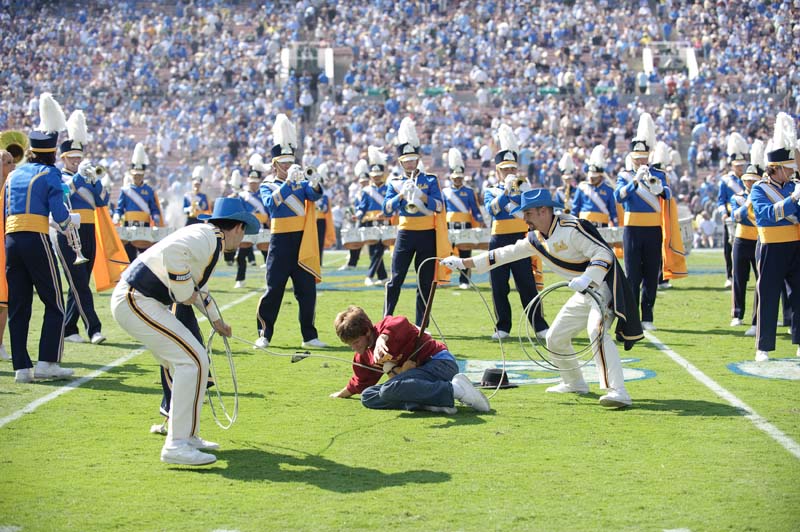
x,y
252,200
361,171
729,185
507,228
576,251
33,192
594,198
416,197
325,233
176,270
461,203
369,213
642,238
7,164
775,204
195,202
87,194
138,203
746,239
569,182
293,247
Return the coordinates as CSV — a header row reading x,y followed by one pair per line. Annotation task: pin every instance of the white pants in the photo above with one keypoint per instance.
x,y
578,312
171,343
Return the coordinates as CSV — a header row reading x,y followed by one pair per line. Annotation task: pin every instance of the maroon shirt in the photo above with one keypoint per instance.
x,y
401,344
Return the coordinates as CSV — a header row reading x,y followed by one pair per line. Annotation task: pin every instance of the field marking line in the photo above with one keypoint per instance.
x,y
760,422
32,406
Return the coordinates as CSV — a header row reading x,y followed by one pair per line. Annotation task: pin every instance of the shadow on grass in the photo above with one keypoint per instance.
x,y
686,407
258,465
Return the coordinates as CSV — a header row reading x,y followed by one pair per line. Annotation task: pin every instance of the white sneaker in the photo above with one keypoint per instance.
x,y
239,284
648,326
379,282
186,455
98,339
3,353
314,343
159,429
568,388
666,285
728,283
500,335
263,266
51,370
615,399
463,286
204,445
464,391
762,356
75,339
367,282
23,376
449,410
261,343
346,267
736,322
542,335
798,351
751,331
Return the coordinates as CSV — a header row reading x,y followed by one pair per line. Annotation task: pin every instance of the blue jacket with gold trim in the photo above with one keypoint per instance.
x,y
461,203
80,200
33,192
128,207
775,211
368,207
641,207
285,203
585,203
431,199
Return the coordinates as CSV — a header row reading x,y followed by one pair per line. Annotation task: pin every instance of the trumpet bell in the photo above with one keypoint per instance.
x,y
14,142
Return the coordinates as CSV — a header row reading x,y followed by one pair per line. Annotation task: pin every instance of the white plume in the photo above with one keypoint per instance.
x,y
199,172
322,170
758,154
51,116
646,130
236,178
455,159
629,163
361,169
661,155
737,146
421,167
507,138
407,133
785,134
256,162
283,132
598,156
76,128
139,155
566,164
376,156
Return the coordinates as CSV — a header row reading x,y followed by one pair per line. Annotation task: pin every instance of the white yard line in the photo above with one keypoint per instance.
x,y
761,423
30,407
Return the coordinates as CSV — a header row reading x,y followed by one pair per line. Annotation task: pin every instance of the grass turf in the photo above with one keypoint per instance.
x,y
681,457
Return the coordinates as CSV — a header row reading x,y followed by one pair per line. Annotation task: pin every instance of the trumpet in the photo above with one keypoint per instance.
x,y
649,179
100,171
74,241
410,207
309,171
515,186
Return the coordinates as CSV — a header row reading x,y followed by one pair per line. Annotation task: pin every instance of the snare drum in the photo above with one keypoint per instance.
x,y
484,235
388,234
124,233
262,239
687,233
464,238
141,237
612,235
370,235
351,238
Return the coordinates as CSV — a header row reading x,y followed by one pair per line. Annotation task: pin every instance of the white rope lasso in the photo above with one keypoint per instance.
x,y
229,417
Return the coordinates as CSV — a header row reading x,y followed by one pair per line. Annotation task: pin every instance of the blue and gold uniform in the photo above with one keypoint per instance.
x,y
729,186
85,197
461,203
595,203
369,213
138,206
287,204
323,208
255,206
744,248
195,203
33,192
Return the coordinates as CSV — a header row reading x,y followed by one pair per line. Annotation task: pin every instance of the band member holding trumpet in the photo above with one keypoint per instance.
x,y
417,199
293,246
33,193
138,204
594,198
252,199
731,184
86,194
507,228
195,202
461,203
566,192
640,192
369,213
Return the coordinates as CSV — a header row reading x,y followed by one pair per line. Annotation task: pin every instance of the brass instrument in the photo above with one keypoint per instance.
x,y
16,143
515,186
410,207
100,171
73,238
309,171
650,180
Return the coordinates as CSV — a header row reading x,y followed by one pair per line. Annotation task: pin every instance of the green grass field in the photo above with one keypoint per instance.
x,y
681,458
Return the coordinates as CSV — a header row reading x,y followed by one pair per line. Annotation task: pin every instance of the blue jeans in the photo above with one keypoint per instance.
x,y
428,384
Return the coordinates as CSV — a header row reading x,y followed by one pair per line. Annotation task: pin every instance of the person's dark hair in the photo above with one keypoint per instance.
x,y
226,225
351,324
48,158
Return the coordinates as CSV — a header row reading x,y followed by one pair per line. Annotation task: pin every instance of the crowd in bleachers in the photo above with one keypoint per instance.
x,y
201,82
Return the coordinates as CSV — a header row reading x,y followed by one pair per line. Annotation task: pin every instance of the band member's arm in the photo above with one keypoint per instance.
x,y
477,216
434,200
187,205
393,201
493,204
624,188
274,198
155,209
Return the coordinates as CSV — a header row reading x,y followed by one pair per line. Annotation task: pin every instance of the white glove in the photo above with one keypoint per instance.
x,y
580,283
509,182
453,263
657,188
294,174
314,180
75,219
642,173
796,193
115,218
86,169
525,186
407,189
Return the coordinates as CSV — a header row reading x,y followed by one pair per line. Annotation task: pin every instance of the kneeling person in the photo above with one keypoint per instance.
x,y
423,374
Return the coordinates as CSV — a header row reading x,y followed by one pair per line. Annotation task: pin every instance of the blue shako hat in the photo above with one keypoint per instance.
x,y
233,209
538,197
